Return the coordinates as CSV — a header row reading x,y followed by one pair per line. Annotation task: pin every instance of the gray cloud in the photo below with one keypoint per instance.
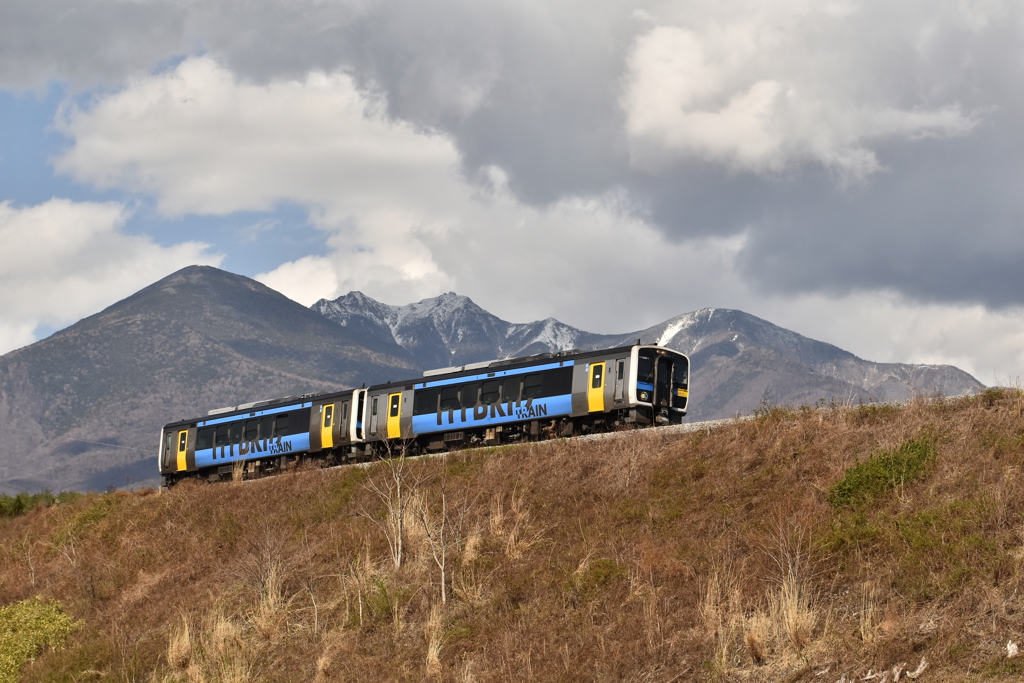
x,y
857,146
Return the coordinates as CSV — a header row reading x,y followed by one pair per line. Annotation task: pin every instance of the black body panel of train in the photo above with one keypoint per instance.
x,y
506,401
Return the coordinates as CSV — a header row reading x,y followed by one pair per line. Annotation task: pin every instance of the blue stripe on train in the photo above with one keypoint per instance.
x,y
494,414
249,450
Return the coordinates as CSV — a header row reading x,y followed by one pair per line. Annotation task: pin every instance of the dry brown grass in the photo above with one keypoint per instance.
x,y
711,555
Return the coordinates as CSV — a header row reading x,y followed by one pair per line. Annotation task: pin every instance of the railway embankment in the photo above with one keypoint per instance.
x,y
826,544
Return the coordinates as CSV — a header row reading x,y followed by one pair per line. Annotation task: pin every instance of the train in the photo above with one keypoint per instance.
x,y
489,403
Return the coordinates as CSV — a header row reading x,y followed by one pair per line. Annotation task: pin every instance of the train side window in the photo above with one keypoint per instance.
x,y
373,407
328,416
622,368
469,394
267,427
281,424
344,411
204,438
597,371
490,392
236,432
533,385
510,389
395,402
425,402
252,430
450,398
169,443
183,442
221,437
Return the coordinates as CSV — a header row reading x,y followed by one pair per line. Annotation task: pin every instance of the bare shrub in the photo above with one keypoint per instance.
x,y
393,483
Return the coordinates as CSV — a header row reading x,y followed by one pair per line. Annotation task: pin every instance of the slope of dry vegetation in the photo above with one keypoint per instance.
x,y
723,554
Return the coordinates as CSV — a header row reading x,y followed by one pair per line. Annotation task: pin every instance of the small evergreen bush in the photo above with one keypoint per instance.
x,y
867,481
25,628
12,506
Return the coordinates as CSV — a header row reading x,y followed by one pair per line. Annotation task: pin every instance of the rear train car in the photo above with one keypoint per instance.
x,y
263,437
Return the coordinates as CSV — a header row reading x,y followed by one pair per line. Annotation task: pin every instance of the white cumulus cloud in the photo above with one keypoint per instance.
x,y
754,92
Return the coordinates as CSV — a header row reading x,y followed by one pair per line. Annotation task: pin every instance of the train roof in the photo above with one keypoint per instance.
x,y
246,408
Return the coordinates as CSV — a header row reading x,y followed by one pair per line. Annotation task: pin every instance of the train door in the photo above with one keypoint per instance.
x,y
182,450
167,453
360,407
663,382
620,382
344,431
373,415
595,390
394,415
327,426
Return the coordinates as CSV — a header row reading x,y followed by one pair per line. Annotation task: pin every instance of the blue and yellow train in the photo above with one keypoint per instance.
x,y
490,403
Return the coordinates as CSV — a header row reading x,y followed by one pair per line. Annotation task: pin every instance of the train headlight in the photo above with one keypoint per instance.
x,y
644,395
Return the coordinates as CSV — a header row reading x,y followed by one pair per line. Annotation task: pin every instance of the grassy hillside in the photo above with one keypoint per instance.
x,y
836,540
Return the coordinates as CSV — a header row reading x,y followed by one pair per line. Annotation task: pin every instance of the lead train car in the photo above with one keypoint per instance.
x,y
489,403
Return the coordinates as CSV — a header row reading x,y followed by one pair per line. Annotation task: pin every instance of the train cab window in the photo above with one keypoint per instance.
x,y
204,438
344,411
169,442
267,427
490,392
622,368
533,385
395,403
645,369
469,394
281,424
252,430
510,389
680,373
236,432
450,398
221,437
597,372
373,407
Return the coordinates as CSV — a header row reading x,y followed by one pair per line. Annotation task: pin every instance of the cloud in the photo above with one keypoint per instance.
x,y
64,260
202,141
725,96
833,151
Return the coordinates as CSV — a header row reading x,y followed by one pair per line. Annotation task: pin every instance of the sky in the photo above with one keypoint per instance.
x,y
853,171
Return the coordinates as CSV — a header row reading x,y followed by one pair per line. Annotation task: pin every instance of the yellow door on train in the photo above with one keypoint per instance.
x,y
182,450
394,416
595,390
327,427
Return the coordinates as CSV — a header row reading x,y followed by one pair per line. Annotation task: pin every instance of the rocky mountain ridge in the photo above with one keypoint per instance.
x,y
739,361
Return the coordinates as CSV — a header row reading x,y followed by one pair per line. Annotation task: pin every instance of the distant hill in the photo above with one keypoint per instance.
x,y
739,361
198,339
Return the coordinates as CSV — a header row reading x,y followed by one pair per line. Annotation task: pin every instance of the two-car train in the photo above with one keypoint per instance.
x,y
490,403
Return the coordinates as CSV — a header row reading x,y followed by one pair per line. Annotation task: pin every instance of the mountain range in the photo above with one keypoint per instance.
x,y
82,408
